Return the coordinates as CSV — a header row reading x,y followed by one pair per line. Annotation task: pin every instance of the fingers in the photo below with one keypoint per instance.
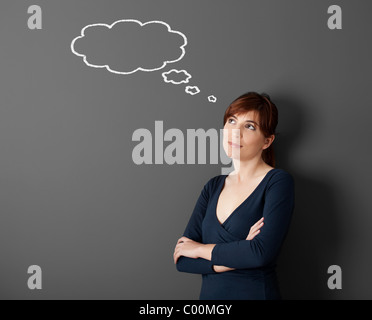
x,y
183,239
177,252
177,249
253,234
259,221
257,225
176,255
255,229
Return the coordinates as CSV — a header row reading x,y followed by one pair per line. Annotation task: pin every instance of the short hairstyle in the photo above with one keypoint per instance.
x,y
268,117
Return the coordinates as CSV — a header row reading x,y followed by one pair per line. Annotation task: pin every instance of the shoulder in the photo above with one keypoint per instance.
x,y
280,176
212,184
210,187
214,181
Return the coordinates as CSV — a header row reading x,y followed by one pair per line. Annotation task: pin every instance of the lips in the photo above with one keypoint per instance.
x,y
234,145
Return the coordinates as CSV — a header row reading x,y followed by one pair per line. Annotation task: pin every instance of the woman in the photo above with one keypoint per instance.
x,y
240,220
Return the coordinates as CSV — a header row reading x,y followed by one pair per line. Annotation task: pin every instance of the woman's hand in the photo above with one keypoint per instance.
x,y
255,229
221,268
187,248
192,249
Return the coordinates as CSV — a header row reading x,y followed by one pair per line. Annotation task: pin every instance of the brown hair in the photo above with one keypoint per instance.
x,y
268,115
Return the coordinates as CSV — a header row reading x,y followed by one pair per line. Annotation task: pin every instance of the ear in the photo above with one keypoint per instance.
x,y
268,141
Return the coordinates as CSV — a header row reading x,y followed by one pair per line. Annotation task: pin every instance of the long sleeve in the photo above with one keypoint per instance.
x,y
194,231
264,248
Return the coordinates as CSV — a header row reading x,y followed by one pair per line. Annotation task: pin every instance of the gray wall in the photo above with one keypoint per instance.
x,y
101,227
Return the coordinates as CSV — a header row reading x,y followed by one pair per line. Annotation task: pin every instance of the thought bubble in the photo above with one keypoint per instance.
x,y
128,45
192,90
176,76
212,99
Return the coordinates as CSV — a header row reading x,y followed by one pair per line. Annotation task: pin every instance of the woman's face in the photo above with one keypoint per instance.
x,y
242,137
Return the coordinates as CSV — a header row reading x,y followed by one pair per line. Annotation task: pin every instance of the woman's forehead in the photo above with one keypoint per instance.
x,y
248,115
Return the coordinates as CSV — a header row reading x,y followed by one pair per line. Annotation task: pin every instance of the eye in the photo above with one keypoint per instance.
x,y
230,120
250,127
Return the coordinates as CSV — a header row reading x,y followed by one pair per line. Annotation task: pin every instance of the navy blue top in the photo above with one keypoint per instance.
x,y
254,260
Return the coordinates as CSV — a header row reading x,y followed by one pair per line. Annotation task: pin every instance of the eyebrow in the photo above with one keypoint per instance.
x,y
247,120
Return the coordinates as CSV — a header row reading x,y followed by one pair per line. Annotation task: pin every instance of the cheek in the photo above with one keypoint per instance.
x,y
230,135
253,140
226,137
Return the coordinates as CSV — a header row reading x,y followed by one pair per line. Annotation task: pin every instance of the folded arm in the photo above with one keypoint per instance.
x,y
195,257
193,231
263,248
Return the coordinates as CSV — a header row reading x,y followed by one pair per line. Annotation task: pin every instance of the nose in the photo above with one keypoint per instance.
x,y
236,133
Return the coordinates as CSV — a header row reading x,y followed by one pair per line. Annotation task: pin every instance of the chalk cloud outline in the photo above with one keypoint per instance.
x,y
82,34
165,74
189,90
212,99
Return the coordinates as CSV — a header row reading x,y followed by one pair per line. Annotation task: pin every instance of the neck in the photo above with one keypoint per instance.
x,y
246,170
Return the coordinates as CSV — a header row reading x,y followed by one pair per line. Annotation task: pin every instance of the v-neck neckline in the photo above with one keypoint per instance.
x,y
240,205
